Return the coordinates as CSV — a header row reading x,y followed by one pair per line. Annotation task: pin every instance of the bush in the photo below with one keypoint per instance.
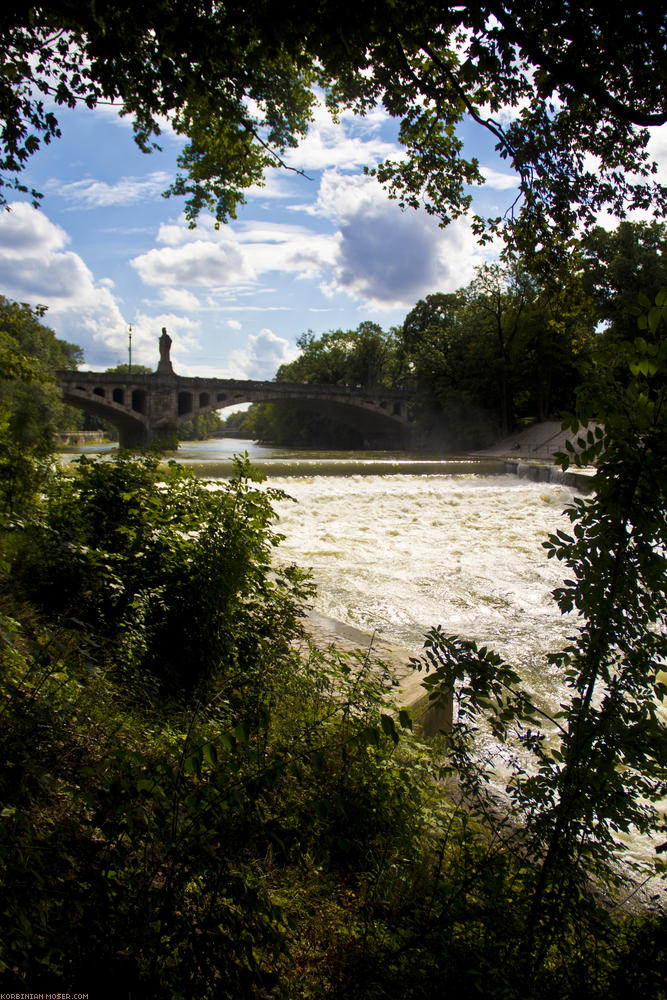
x,y
167,850
176,574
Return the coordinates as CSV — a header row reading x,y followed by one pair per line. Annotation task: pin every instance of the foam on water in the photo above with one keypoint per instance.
x,y
402,553
399,554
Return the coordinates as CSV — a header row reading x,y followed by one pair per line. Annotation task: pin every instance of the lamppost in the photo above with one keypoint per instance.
x,y
129,363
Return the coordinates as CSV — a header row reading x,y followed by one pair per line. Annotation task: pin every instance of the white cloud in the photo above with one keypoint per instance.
x,y
177,233
278,184
36,267
179,298
280,247
498,180
348,144
91,193
230,256
374,252
27,231
262,357
388,258
201,262
258,309
234,324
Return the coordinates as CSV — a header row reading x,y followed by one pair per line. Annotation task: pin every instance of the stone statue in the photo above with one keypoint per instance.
x,y
165,365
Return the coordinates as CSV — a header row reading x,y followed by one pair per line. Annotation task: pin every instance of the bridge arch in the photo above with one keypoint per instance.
x,y
185,405
139,397
376,427
131,424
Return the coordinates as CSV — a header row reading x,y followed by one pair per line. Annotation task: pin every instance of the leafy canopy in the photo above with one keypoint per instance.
x,y
598,766
31,410
569,107
621,265
506,347
363,357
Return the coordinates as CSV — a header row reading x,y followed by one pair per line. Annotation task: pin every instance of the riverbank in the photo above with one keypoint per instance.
x,y
529,453
538,441
325,632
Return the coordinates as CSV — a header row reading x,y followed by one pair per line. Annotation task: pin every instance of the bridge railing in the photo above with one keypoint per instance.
x,y
185,381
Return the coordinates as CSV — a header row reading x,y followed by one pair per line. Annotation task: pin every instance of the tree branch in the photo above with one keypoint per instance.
x,y
571,75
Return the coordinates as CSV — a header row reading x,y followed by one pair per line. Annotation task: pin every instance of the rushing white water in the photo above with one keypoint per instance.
x,y
399,554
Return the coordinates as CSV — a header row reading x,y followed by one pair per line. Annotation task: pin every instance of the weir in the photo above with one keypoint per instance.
x,y
149,408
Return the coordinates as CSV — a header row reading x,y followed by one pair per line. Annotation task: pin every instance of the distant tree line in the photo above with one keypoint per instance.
x,y
511,347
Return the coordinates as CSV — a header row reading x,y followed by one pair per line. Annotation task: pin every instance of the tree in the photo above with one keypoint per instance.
x,y
499,297
571,94
448,361
177,575
213,70
23,323
124,369
560,336
599,768
540,325
31,410
620,265
509,346
237,81
363,357
201,427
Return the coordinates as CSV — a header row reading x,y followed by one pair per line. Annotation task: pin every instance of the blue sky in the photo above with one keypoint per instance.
x,y
106,250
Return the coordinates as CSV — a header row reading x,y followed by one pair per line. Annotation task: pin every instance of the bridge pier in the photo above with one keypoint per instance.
x,y
133,438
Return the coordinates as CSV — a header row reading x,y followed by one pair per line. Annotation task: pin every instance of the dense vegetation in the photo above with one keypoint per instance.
x,y
31,409
201,427
366,356
193,804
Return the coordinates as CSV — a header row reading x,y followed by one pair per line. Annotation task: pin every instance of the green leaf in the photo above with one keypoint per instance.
x,y
370,736
405,719
193,763
389,727
241,732
654,319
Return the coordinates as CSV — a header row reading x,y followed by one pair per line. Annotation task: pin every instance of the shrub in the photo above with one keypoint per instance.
x,y
175,573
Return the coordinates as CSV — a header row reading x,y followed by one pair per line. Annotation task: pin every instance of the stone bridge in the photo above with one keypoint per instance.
x,y
149,408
